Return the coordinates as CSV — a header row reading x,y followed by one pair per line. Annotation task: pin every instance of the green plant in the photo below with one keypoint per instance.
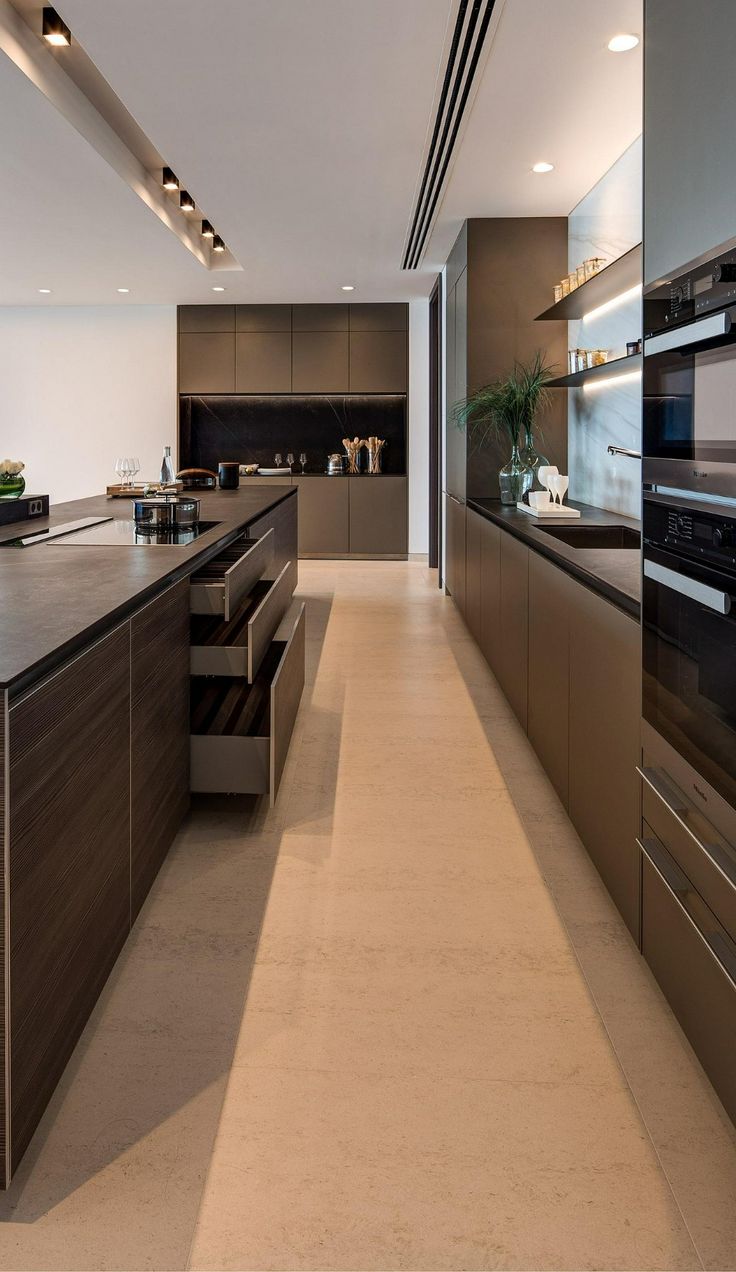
x,y
508,406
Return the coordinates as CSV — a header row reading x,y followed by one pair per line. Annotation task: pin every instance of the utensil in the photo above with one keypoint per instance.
x,y
353,453
374,446
197,478
166,512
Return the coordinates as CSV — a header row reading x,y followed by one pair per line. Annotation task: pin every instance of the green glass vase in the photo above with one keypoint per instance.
x,y
514,479
11,485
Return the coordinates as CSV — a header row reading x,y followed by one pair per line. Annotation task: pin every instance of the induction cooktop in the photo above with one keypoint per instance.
x,y
126,534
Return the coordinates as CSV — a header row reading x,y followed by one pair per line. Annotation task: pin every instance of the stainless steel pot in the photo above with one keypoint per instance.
x,y
166,512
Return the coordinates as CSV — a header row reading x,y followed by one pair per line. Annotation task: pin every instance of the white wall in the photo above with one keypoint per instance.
x,y
80,386
607,222
418,466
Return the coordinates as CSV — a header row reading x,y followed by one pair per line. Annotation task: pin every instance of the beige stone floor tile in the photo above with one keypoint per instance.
x,y
325,1170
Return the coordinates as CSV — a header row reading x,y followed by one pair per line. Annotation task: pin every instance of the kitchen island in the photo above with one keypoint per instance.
x,y
96,657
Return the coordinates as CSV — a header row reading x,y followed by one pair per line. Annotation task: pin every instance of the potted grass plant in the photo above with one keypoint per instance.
x,y
509,408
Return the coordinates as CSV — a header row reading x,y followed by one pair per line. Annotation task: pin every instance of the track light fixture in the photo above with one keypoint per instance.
x,y
186,202
54,29
207,230
169,181
217,244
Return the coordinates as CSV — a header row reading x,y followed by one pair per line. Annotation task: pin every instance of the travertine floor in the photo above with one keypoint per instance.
x,y
396,1023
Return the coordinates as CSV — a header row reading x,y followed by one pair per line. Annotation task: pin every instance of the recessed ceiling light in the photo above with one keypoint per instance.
x,y
186,202
54,29
543,166
123,290
348,287
45,291
218,288
169,180
207,230
217,244
622,43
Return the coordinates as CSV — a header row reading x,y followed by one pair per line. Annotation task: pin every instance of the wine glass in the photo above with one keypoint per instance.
x,y
559,485
290,459
302,461
135,468
277,459
120,470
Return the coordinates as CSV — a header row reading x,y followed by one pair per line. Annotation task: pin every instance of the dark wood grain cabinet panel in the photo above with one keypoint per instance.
x,y
324,516
490,594
455,550
206,317
378,515
320,318
473,572
69,801
551,601
159,755
320,362
605,691
379,317
263,317
263,362
284,520
512,661
207,362
378,362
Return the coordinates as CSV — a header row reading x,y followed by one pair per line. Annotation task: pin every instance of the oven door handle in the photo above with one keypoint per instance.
x,y
694,333
700,592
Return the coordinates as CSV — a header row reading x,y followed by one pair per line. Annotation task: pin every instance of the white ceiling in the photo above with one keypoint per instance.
x,y
300,125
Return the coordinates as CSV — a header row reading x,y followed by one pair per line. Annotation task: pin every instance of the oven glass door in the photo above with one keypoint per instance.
x,y
689,664
689,406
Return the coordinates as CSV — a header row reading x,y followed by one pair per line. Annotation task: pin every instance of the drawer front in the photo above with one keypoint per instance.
x,y
221,585
229,765
267,617
697,985
286,690
696,846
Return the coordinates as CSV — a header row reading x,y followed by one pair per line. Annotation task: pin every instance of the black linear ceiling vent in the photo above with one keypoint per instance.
x,y
471,29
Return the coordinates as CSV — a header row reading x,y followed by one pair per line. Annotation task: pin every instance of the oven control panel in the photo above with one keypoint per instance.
x,y
706,536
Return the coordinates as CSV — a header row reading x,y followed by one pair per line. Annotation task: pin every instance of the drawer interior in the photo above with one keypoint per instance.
x,y
214,632
222,707
215,570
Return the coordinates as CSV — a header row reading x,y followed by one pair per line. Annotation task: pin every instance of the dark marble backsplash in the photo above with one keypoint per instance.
x,y
252,429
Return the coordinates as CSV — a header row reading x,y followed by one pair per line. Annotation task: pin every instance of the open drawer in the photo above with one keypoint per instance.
x,y
219,586
238,647
240,732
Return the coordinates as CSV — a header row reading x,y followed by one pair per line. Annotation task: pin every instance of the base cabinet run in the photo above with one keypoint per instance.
x,y
569,664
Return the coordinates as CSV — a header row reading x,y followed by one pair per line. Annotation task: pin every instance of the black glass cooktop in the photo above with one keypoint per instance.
x,y
113,533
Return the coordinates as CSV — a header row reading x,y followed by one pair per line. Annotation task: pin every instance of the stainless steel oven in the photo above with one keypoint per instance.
x,y
689,378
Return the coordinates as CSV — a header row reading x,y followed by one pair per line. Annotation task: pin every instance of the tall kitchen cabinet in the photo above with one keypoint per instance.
x,y
456,306
689,142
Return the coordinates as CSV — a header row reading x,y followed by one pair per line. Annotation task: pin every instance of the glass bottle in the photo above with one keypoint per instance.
x,y
167,467
514,479
533,459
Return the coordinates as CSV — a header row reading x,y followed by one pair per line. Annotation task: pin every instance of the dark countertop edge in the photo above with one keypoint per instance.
x,y
43,667
629,604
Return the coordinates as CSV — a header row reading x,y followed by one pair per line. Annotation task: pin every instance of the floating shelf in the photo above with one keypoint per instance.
x,y
619,276
607,370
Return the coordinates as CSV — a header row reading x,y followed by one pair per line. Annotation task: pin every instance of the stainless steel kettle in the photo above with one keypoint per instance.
x,y
335,465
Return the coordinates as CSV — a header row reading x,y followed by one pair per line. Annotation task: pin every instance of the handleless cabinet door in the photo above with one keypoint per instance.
x,y
605,708
379,317
206,317
263,362
324,519
378,515
263,317
473,577
320,317
512,663
378,362
551,597
207,362
159,756
320,362
455,551
69,810
490,591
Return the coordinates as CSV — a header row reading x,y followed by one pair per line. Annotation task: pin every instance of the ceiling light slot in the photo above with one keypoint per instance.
x,y
54,29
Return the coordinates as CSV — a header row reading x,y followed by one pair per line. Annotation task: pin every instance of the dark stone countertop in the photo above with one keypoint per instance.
x,y
54,600
614,573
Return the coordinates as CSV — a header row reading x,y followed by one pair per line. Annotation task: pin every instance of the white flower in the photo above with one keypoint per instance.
x,y
11,467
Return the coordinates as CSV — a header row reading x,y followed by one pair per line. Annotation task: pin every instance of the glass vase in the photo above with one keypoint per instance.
x,y
11,485
534,460
514,479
